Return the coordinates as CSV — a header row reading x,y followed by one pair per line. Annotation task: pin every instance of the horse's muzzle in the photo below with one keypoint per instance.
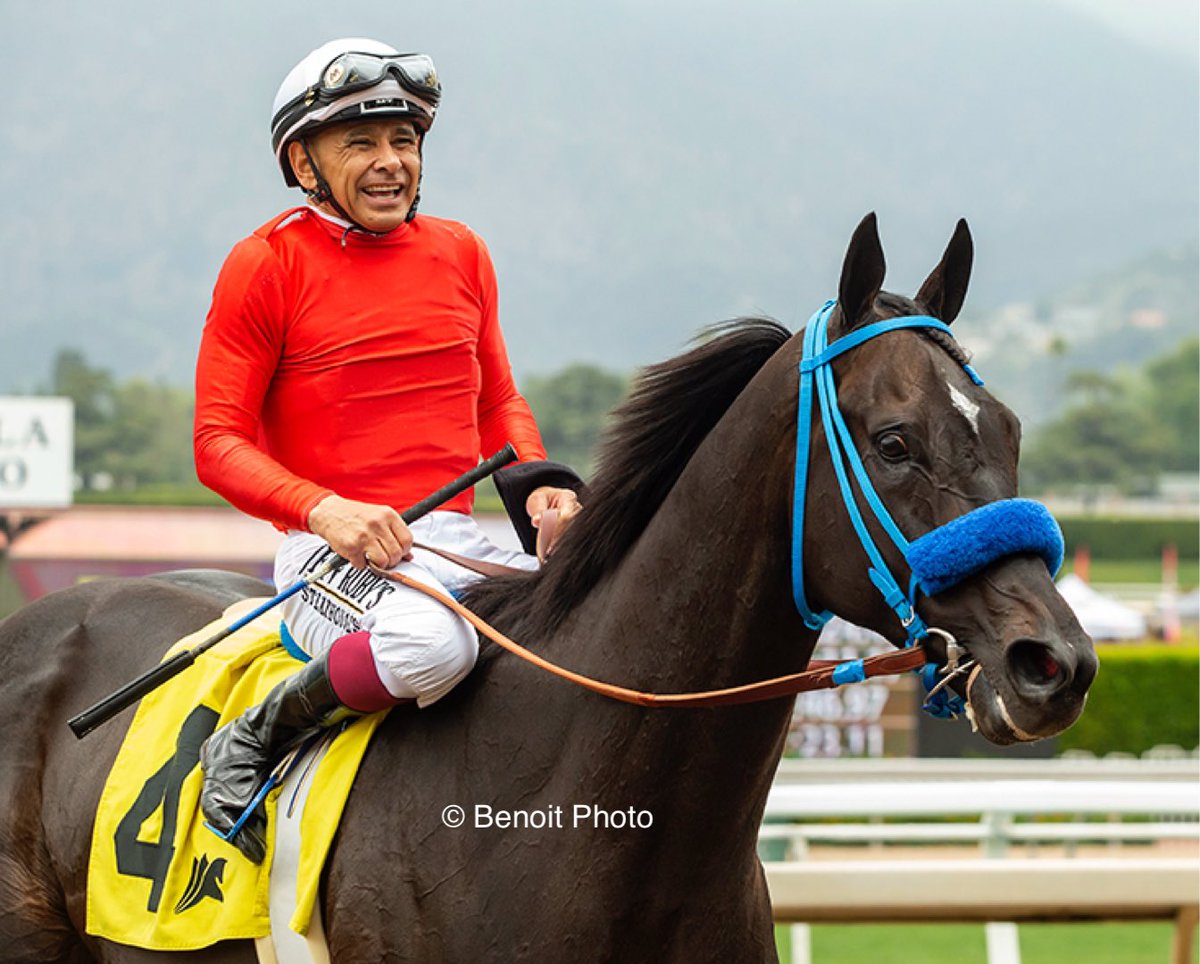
x,y
1042,690
1042,670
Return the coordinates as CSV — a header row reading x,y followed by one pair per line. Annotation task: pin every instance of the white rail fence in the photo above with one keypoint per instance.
x,y
861,844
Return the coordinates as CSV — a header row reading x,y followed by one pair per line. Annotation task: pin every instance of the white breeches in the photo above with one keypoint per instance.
x,y
421,648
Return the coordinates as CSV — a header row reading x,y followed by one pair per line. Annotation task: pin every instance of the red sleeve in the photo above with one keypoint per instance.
x,y
504,415
240,348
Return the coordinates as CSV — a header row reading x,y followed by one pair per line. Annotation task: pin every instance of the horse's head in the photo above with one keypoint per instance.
x,y
936,446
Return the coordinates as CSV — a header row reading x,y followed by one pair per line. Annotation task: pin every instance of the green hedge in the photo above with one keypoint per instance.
x,y
1144,696
1110,538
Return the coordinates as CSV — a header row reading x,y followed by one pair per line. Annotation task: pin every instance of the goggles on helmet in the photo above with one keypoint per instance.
x,y
357,71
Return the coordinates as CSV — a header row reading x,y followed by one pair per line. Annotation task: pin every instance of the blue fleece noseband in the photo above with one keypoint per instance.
x,y
962,547
939,559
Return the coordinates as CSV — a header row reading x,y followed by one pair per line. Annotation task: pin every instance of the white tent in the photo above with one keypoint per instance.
x,y
1102,617
1187,608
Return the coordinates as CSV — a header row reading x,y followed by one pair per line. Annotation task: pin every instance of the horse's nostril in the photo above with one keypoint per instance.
x,y
1034,665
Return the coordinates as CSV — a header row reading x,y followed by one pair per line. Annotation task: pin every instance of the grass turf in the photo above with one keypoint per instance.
x,y
1101,943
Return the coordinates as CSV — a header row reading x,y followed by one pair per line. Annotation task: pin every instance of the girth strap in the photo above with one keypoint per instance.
x,y
825,675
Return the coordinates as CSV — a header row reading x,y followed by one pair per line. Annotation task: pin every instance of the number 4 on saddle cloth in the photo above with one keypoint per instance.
x,y
158,878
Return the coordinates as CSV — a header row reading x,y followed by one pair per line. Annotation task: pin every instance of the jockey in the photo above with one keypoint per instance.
x,y
352,363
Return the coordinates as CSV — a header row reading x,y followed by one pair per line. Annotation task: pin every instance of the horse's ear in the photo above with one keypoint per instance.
x,y
862,273
945,289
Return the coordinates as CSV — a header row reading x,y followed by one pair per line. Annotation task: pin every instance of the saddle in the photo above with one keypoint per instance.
x,y
158,878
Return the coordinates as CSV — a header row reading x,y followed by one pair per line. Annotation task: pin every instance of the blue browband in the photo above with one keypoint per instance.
x,y
940,558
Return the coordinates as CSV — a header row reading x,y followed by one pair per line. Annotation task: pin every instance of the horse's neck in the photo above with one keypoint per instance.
x,y
702,601
703,598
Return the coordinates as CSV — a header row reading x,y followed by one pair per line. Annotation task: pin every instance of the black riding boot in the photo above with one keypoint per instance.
x,y
238,758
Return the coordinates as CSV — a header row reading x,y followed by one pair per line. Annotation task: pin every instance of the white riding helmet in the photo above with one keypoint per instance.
x,y
350,78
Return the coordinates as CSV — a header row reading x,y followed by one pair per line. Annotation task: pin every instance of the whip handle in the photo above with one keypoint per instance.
x,y
130,693
461,484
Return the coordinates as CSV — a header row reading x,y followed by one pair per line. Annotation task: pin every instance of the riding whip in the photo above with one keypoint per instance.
x,y
131,692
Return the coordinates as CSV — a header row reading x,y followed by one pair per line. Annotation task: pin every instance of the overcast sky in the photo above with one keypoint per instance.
x,y
1172,25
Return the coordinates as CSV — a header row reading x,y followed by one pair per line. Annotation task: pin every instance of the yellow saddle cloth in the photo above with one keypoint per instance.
x,y
157,877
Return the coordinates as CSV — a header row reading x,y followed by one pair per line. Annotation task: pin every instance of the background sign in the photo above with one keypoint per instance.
x,y
869,719
37,452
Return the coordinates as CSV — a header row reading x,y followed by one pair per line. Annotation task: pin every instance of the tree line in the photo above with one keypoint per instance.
x,y
1121,432
133,437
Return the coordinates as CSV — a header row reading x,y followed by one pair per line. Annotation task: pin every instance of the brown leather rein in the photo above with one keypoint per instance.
x,y
819,676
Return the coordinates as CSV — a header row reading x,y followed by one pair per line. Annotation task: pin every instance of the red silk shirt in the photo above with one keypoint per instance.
x,y
370,367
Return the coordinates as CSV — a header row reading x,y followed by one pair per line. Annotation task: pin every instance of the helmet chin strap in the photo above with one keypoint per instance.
x,y
412,211
323,194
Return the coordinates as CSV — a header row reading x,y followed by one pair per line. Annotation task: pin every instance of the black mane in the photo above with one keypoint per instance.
x,y
652,435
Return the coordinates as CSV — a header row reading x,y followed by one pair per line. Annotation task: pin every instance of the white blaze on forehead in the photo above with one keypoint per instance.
x,y
969,409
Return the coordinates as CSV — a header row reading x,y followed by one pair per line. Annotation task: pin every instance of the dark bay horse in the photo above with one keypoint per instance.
x,y
675,577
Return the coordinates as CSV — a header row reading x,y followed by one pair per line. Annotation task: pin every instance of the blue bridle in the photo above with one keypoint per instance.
x,y
937,560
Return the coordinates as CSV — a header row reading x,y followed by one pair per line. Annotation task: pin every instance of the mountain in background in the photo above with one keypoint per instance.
x,y
638,170
1120,319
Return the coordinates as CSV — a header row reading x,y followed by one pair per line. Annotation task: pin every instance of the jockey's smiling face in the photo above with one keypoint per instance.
x,y
373,169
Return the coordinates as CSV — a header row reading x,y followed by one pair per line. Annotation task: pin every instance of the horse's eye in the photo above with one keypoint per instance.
x,y
892,446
